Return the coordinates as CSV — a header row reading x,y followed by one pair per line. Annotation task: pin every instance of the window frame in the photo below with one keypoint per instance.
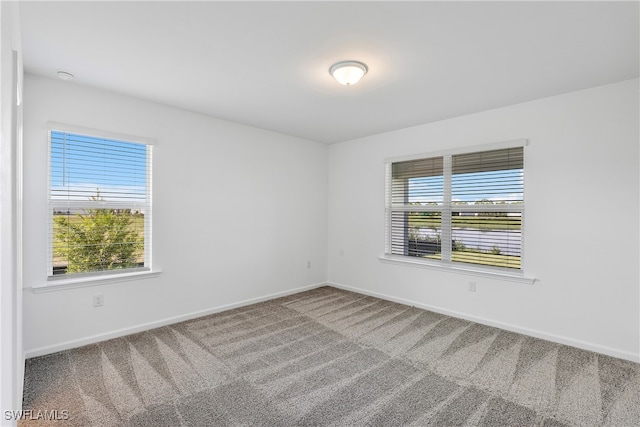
x,y
446,209
104,276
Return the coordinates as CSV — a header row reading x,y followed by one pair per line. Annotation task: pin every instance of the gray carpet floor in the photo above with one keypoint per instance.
x,y
328,357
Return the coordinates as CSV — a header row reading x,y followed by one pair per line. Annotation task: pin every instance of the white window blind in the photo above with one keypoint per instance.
x,y
459,208
99,204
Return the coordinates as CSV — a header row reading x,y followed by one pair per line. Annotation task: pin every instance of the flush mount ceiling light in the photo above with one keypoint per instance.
x,y
348,72
64,75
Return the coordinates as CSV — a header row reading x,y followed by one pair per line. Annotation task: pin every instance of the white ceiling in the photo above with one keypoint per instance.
x,y
266,64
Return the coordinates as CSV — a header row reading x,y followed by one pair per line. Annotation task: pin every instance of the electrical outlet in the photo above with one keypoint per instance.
x,y
98,300
308,264
472,286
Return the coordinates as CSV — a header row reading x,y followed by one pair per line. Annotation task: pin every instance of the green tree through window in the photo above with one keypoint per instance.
x,y
98,239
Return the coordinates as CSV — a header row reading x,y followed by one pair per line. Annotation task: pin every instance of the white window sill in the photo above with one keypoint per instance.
x,y
515,276
81,282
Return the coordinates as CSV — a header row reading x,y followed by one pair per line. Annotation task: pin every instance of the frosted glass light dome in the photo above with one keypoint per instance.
x,y
348,72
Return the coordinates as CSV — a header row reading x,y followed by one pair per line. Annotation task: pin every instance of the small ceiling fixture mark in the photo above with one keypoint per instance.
x,y
65,75
348,72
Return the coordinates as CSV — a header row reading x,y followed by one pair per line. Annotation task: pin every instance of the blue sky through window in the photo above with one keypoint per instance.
x,y
80,166
496,186
426,190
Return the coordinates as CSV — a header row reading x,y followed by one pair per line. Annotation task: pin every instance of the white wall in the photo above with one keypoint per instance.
x,y
237,213
11,354
581,226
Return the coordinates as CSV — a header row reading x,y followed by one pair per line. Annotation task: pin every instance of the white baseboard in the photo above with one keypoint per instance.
x,y
159,323
633,357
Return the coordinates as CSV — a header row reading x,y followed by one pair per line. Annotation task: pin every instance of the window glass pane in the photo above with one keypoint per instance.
x,y
96,240
82,165
418,182
416,233
492,177
488,238
98,202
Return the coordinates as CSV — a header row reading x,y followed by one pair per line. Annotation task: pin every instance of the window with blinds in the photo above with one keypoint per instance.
x,y
99,204
459,208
